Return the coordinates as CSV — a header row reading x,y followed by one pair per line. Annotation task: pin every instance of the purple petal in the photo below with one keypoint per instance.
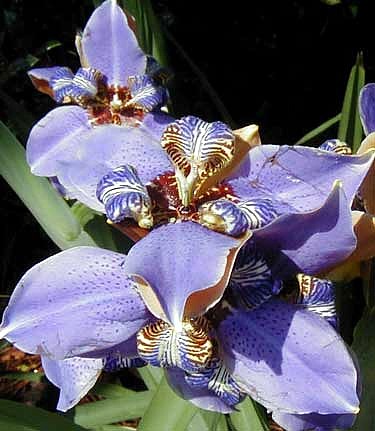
x,y
299,177
74,377
106,148
312,421
177,260
202,398
55,138
109,45
290,359
309,242
156,122
367,108
78,301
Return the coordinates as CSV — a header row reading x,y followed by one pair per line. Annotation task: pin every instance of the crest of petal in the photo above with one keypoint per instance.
x,y
200,396
42,77
76,302
289,359
300,178
198,150
178,260
110,46
318,296
367,108
55,138
309,242
251,282
123,195
146,94
74,377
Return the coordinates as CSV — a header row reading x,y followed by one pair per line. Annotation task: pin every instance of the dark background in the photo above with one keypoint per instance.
x,y
280,64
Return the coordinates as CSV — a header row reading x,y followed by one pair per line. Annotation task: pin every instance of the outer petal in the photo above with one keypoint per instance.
x,y
78,301
299,177
74,377
290,359
202,398
367,108
55,138
312,421
109,45
310,242
106,148
178,260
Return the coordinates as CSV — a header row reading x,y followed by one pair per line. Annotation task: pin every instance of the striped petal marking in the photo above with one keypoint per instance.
x,y
78,88
197,150
235,219
251,282
318,296
116,362
217,378
123,195
336,146
189,347
145,93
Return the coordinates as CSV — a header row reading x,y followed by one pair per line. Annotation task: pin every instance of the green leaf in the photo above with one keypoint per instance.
x,y
151,376
149,32
167,411
47,206
19,417
130,406
350,127
364,346
319,130
113,428
109,391
248,415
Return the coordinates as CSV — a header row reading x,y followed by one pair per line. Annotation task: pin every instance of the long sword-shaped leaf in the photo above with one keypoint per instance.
x,y
47,206
167,411
319,130
130,406
350,128
248,416
19,417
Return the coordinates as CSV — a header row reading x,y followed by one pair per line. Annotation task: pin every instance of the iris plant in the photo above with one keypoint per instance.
x,y
225,224
114,97
201,295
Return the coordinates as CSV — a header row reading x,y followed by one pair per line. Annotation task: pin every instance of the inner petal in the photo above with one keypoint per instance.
x,y
188,347
123,195
198,150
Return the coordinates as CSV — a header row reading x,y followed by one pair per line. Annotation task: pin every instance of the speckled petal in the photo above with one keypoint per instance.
x,y
177,260
109,45
289,359
78,301
74,377
55,138
309,242
313,421
106,148
300,177
201,397
367,108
